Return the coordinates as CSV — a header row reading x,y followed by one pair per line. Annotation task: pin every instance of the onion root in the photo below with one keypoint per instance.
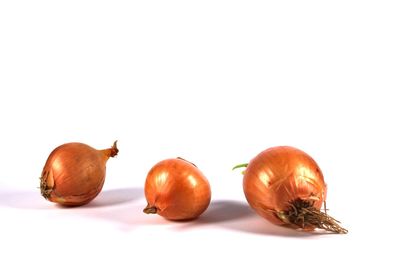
x,y
303,214
45,190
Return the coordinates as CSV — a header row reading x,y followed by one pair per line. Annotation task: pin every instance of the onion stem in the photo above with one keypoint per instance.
x,y
150,210
243,165
187,161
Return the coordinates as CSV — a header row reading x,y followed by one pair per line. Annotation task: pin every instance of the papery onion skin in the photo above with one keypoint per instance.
x,y
74,173
177,190
280,175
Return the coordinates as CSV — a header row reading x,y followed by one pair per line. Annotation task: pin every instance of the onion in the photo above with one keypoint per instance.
x,y
74,173
176,190
285,186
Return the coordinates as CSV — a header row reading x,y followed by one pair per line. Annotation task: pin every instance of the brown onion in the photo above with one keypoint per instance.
x,y
74,173
176,190
285,186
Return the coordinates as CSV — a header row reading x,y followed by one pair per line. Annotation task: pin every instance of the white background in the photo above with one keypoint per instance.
x,y
215,82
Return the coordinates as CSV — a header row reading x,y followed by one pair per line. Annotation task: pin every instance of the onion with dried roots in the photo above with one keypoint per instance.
x,y
176,190
74,173
285,186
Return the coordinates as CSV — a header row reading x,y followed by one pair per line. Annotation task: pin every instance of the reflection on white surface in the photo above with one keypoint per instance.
x,y
23,199
31,200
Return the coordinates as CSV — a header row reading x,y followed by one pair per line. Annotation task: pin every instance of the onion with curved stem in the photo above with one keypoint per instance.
x,y
74,173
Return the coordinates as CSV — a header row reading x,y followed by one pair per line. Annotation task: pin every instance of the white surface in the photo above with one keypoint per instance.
x,y
214,82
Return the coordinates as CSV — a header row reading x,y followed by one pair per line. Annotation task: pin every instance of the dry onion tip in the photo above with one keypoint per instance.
x,y
286,186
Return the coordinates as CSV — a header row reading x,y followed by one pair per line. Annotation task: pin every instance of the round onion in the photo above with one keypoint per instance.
x,y
176,190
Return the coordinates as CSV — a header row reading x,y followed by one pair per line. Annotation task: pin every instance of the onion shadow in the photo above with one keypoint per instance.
x,y
23,199
238,216
115,197
224,211
20,199
127,217
260,226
